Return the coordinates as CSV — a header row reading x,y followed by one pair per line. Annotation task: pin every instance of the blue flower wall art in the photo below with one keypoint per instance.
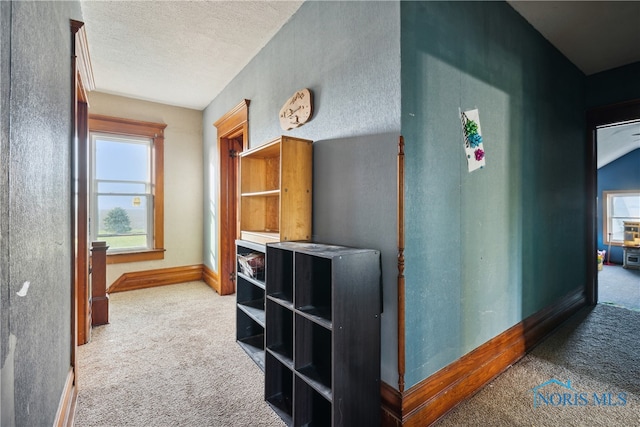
x,y
473,144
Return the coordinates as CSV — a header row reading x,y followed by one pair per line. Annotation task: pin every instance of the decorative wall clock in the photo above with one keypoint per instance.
x,y
297,110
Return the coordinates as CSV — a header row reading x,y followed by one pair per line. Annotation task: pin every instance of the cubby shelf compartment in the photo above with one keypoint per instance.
x,y
250,307
313,355
324,302
250,336
278,390
275,191
312,409
279,341
280,276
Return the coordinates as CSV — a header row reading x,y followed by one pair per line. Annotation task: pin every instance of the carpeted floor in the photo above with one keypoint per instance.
x,y
619,286
169,358
596,351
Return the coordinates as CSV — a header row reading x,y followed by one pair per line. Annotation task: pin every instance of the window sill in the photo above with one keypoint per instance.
x,y
619,244
146,255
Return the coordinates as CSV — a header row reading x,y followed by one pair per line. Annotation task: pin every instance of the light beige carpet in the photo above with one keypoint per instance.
x,y
169,358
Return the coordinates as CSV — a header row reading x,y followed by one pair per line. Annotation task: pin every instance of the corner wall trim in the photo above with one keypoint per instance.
x,y
210,278
67,406
427,401
159,277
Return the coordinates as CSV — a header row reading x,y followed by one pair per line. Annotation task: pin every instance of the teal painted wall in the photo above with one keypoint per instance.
x,y
613,86
348,54
486,249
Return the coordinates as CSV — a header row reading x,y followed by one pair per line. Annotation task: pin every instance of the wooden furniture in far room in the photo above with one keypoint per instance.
x,y
275,191
631,247
631,257
322,358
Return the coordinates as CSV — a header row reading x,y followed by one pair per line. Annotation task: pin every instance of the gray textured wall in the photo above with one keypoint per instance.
x,y
487,249
348,54
35,194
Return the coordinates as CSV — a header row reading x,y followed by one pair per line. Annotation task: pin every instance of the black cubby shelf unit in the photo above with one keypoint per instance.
x,y
250,304
323,306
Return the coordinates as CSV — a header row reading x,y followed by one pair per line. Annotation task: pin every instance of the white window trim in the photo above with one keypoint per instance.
x,y
606,207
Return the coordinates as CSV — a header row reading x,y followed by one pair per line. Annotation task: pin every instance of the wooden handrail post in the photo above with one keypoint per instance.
x,y
99,297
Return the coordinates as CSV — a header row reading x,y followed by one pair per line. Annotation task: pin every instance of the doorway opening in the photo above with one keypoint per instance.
x,y
233,133
614,192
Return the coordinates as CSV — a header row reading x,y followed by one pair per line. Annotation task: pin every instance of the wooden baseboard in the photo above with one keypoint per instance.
x,y
159,277
210,278
427,401
67,406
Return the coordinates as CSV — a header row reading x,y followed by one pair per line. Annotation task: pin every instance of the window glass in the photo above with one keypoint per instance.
x,y
122,192
618,208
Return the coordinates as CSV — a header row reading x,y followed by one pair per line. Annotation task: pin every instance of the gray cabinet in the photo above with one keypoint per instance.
x,y
250,299
322,334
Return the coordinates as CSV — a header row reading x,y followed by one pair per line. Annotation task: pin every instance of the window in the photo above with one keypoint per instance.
x,y
617,207
126,191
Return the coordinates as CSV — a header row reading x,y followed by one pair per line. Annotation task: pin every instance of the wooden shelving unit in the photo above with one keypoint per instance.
x,y
275,191
322,358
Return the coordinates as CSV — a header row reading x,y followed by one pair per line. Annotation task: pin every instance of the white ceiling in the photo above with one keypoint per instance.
x,y
616,141
184,53
179,53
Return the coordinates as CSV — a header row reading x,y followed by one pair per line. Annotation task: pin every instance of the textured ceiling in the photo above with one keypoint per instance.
x,y
184,53
177,52
616,141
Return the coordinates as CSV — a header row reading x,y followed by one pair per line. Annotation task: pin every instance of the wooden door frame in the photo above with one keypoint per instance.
x,y
616,113
82,83
233,125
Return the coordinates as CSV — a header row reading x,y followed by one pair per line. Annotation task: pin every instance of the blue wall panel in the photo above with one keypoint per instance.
x,y
348,54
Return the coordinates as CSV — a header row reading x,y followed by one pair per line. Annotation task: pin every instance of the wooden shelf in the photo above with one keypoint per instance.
x,y
275,191
263,237
267,193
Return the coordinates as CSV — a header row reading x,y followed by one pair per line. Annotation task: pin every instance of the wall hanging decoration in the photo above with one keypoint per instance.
x,y
474,149
297,110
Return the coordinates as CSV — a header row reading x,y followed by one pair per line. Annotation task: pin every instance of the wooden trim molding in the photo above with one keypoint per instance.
x,y
210,278
84,70
234,124
159,277
427,401
401,293
124,257
154,131
234,118
67,406
124,126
